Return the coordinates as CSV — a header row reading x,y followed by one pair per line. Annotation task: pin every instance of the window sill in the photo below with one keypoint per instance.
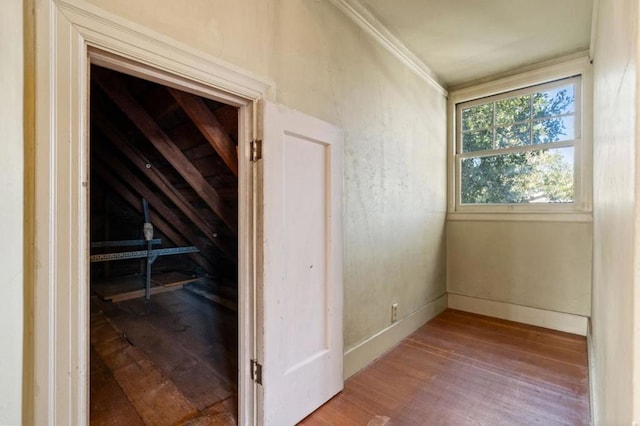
x,y
578,217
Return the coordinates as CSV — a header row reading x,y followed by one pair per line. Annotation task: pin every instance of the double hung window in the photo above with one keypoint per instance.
x,y
520,148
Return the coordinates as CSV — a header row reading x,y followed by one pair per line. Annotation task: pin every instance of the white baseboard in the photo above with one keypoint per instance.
x,y
358,357
560,321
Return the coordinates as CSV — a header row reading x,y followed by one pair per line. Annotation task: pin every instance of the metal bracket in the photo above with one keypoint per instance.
x,y
152,256
149,253
145,211
142,253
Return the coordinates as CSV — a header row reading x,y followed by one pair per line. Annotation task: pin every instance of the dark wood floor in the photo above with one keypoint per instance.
x,y
466,369
172,360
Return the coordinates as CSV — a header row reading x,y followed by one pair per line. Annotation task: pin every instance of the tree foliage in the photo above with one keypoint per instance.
x,y
544,175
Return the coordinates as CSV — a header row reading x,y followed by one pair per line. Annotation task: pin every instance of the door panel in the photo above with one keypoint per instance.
x,y
300,283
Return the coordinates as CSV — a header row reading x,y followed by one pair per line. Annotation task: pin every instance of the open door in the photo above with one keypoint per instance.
x,y
300,289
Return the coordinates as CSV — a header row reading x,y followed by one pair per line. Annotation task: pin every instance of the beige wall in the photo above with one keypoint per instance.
x,y
395,159
395,154
394,175
616,210
544,265
11,213
323,65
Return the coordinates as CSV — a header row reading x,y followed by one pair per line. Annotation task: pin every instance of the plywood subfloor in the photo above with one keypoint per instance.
x,y
466,369
179,348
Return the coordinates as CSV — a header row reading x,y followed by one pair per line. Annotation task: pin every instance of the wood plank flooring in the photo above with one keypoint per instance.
x,y
169,361
459,369
467,369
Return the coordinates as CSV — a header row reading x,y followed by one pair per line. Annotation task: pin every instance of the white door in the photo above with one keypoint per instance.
x,y
299,321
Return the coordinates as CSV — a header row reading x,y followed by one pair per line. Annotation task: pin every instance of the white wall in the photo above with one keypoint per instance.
x,y
11,213
395,149
616,275
545,265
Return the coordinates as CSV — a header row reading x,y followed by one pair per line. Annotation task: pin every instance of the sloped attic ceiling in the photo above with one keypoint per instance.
x,y
176,150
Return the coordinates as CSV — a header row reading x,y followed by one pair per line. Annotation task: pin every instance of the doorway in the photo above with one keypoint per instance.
x,y
163,227
77,37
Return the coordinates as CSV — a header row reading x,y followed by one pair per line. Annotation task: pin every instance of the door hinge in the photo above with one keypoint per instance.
x,y
256,371
256,150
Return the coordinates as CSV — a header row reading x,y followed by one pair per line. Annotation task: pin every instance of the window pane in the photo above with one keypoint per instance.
x,y
558,101
554,129
477,117
515,135
477,141
513,110
544,176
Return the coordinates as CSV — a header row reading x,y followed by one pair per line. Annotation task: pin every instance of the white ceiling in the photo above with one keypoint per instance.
x,y
466,40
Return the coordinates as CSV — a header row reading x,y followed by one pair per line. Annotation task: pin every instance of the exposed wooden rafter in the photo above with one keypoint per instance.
x,y
209,126
139,160
115,88
155,202
134,201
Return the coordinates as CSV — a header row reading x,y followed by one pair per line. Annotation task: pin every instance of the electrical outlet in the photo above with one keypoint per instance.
x,y
394,312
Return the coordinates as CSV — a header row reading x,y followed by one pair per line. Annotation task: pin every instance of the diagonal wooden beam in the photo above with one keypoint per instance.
x,y
138,159
115,88
134,201
209,126
154,201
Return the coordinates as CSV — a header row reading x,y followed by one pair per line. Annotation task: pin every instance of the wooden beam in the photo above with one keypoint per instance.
x,y
134,201
209,126
230,193
115,88
155,202
164,185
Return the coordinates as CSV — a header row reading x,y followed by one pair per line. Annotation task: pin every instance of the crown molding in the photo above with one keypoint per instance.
x,y
372,26
595,13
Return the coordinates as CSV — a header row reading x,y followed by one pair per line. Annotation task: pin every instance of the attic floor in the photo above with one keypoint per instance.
x,y
172,360
466,369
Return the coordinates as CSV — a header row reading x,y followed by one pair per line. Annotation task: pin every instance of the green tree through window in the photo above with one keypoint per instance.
x,y
513,152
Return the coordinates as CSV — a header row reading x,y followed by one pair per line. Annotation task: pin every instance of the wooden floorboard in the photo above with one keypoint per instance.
x,y
458,369
468,369
169,361
109,403
154,397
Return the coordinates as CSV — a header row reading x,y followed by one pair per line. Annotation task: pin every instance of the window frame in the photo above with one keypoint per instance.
x,y
577,70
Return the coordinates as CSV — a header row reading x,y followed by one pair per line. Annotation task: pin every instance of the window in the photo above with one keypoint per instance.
x,y
520,149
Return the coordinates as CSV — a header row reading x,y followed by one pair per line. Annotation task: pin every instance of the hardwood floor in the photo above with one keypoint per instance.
x,y
458,369
467,369
169,361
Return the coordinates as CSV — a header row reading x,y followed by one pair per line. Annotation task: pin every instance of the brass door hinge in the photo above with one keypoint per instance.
x,y
256,150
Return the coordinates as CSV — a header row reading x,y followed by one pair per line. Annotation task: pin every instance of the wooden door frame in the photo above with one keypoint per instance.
x,y
70,36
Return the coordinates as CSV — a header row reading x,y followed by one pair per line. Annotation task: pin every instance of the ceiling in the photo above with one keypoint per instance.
x,y
177,151
466,40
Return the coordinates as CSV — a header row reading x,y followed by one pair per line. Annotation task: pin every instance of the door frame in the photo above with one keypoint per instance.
x,y
70,36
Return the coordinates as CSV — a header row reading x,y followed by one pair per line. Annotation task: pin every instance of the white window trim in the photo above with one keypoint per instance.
x,y
583,152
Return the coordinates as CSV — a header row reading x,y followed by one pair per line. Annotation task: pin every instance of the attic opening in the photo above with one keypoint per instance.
x,y
164,263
